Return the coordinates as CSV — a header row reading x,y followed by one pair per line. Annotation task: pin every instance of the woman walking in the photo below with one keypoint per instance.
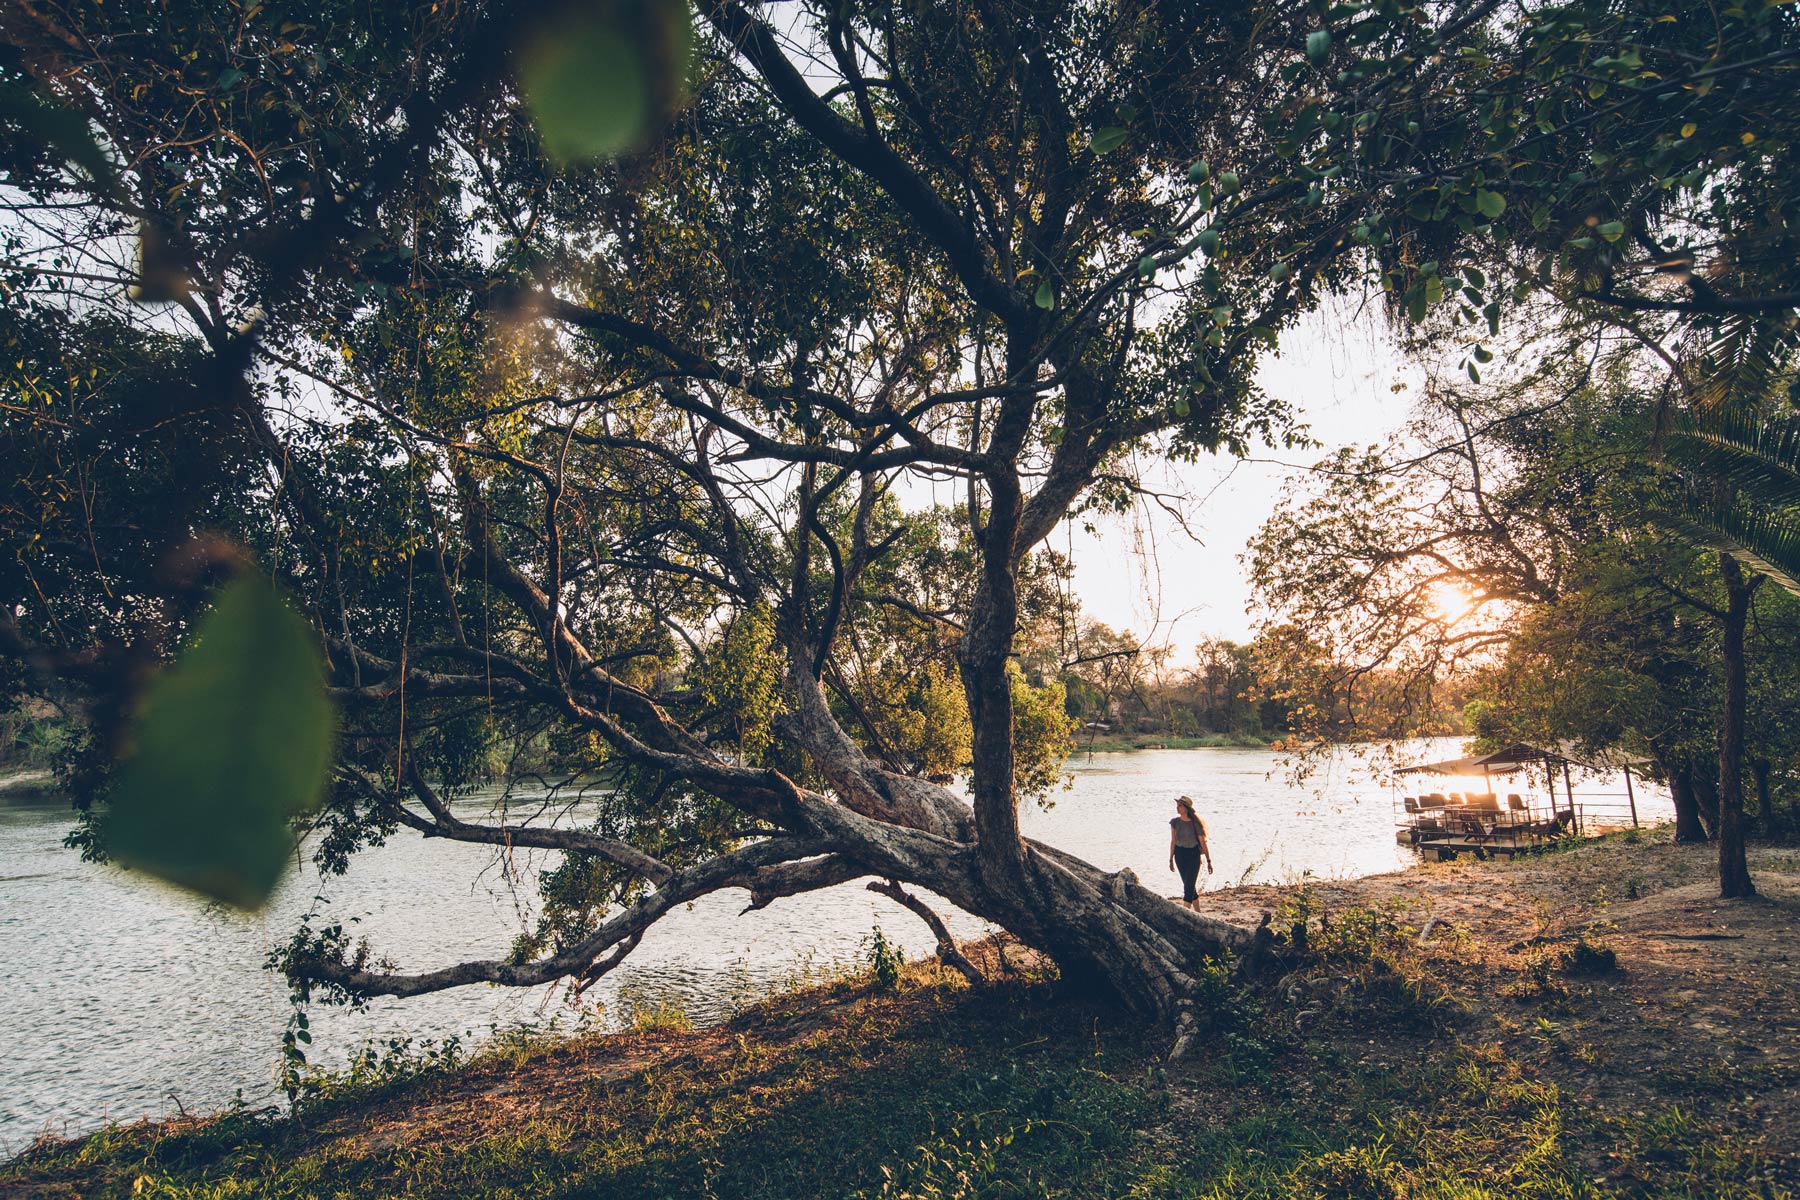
x,y
1187,846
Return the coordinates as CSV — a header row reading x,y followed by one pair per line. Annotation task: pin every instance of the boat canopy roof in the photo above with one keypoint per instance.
x,y
1521,756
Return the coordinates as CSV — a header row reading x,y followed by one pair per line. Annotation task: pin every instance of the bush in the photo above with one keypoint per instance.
x,y
885,960
1590,958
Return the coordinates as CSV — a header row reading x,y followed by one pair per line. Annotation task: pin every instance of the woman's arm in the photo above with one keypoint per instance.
x,y
1206,853
1171,847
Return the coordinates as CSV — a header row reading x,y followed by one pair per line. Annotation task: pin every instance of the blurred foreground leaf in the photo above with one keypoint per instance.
x,y
598,77
232,742
53,130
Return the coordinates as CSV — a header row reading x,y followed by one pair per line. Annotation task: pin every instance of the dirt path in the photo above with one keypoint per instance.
x,y
1703,1009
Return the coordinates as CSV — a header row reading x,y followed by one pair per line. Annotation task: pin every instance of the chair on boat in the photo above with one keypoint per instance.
x,y
1435,800
1483,802
1516,802
1411,802
1470,825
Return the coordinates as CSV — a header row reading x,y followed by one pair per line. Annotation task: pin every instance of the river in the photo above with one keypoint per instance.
x,y
120,998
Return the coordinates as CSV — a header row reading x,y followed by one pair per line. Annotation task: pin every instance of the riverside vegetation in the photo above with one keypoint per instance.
x,y
695,396
1587,1023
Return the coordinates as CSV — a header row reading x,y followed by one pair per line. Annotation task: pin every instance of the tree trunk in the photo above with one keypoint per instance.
x,y
1765,805
1111,936
1688,827
1734,872
1705,775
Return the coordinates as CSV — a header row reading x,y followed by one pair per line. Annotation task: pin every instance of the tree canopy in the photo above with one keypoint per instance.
x,y
710,448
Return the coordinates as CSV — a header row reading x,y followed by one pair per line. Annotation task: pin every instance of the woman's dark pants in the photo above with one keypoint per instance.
x,y
1187,861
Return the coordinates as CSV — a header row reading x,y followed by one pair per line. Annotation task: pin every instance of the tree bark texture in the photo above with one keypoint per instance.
x,y
1688,826
1734,871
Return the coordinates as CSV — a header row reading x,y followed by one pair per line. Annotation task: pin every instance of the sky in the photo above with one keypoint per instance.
x,y
1338,370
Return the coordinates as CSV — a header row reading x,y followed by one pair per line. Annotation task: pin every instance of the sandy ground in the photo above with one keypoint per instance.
x,y
1704,1008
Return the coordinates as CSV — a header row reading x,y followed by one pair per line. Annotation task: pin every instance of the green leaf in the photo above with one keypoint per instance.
x,y
1199,172
1045,296
1209,242
1612,231
1182,407
1228,183
229,78
232,743
1473,373
1146,266
596,79
1434,289
1491,204
57,129
161,275
1318,46
1105,141
1279,272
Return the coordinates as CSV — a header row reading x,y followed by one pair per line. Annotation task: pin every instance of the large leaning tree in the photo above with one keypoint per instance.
x,y
722,466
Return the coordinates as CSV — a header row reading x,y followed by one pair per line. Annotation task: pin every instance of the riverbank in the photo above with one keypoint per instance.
x,y
1593,1022
19,782
1112,743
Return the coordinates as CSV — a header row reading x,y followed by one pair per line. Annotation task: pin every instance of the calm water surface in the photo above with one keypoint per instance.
x,y
119,998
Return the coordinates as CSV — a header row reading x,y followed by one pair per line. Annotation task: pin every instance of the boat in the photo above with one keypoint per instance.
x,y
1493,804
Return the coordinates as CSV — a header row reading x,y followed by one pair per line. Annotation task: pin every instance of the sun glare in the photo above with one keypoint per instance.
x,y
1450,603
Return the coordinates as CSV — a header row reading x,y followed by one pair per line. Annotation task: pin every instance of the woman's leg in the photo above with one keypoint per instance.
x,y
1187,861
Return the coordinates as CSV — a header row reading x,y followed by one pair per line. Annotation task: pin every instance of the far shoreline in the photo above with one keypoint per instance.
x,y
1124,743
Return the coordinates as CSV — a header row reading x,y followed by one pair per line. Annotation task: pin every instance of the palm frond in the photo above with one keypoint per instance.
x,y
1735,450
1759,457
1743,363
1763,539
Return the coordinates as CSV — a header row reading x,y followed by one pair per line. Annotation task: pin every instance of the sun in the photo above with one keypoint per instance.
x,y
1450,602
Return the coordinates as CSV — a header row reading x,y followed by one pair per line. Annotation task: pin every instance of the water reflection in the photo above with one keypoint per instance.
x,y
119,998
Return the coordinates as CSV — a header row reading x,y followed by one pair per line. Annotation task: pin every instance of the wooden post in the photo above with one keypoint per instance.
x,y
1570,788
1632,799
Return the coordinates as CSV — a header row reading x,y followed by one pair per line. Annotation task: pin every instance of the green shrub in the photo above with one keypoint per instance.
x,y
885,960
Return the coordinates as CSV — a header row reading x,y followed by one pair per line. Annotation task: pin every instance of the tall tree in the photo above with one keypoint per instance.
x,y
625,460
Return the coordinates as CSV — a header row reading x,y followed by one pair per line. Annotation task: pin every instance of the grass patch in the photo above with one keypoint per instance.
x,y
937,1092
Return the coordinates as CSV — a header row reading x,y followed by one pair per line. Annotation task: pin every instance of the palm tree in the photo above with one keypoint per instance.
x,y
1734,458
